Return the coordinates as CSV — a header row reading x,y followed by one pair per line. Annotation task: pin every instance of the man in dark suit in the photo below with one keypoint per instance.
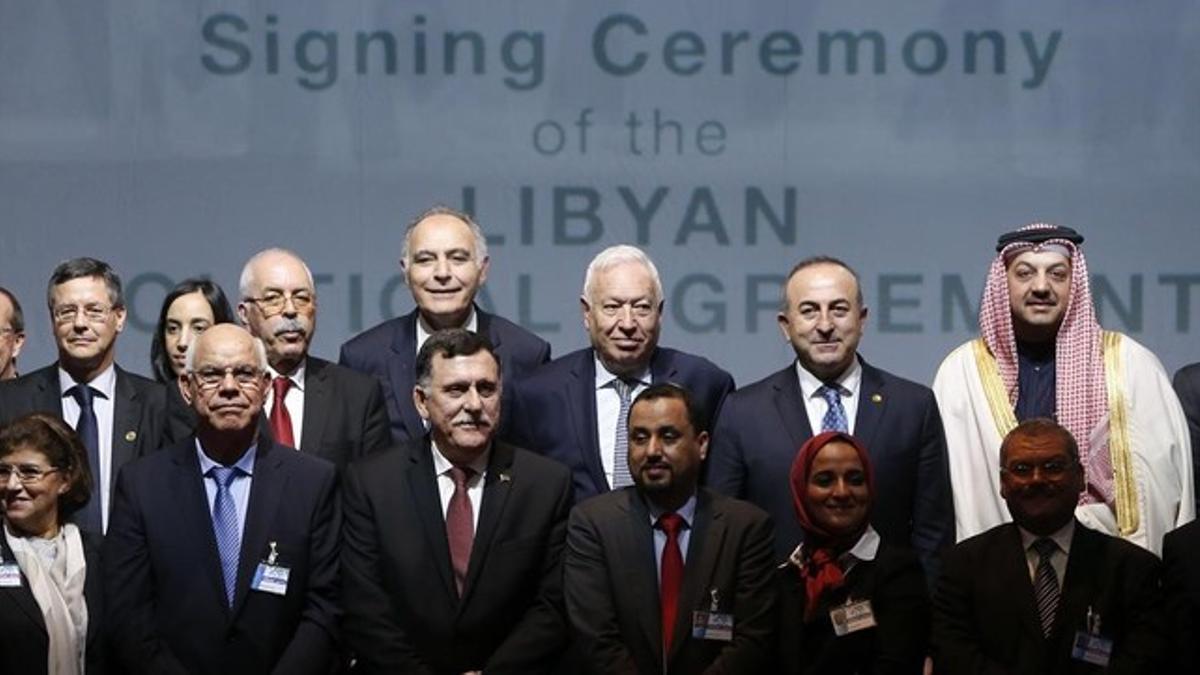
x,y
12,333
1187,387
445,263
222,556
1181,586
575,408
315,406
829,387
118,415
664,576
1045,594
453,541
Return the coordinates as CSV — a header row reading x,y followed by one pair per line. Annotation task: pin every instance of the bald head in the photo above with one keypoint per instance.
x,y
226,381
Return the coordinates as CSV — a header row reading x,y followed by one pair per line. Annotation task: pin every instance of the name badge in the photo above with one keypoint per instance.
x,y
713,624
10,575
1089,646
271,577
852,617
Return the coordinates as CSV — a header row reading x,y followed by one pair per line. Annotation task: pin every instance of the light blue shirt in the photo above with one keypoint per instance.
x,y
688,512
239,488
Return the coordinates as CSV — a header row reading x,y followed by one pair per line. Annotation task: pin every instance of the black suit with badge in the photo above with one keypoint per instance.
x,y
389,352
167,611
612,590
986,619
23,639
403,611
763,425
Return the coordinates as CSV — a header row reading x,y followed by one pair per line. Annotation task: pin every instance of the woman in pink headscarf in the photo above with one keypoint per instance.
x,y
850,603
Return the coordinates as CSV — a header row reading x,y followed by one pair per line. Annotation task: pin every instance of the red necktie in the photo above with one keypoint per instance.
x,y
281,421
672,577
460,525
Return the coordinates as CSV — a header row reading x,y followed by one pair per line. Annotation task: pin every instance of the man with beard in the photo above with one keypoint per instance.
x,y
317,407
1044,593
707,604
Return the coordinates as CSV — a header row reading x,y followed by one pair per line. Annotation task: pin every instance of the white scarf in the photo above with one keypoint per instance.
x,y
58,589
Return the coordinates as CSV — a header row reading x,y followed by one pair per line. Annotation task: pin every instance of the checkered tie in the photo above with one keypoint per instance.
x,y
1045,584
225,526
621,476
835,416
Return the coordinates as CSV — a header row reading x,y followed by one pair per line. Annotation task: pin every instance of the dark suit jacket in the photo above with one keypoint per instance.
x,y
612,586
1187,387
554,410
389,351
894,582
985,616
1181,586
23,639
140,423
763,425
403,612
164,589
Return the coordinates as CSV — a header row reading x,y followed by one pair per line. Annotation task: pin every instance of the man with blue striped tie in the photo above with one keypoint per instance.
x,y
208,568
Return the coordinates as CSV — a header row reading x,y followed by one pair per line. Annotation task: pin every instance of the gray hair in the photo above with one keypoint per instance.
x,y
481,251
189,358
247,278
84,268
620,255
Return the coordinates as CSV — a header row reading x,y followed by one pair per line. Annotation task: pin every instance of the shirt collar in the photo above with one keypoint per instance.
x,y
441,465
687,511
1062,537
246,463
605,378
297,376
105,382
864,550
472,325
849,381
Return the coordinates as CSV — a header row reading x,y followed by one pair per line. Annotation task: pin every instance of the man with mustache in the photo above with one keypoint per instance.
x,y
1043,354
119,416
665,576
453,541
1045,593
317,407
445,264
575,408
831,387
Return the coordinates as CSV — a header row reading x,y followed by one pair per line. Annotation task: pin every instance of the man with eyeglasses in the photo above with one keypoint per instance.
x,y
315,406
575,409
1045,593
444,263
222,556
119,416
12,334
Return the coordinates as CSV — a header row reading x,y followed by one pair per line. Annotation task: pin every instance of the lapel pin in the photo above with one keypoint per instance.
x,y
130,436
876,398
504,477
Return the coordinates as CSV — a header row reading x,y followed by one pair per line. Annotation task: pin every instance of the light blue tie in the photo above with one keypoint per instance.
x,y
621,476
835,416
225,526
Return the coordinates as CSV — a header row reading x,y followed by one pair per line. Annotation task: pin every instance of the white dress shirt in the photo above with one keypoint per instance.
x,y
445,482
1058,559
104,407
608,409
815,405
293,401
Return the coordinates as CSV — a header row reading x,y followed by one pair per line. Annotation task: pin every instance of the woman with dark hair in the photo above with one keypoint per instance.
x,y
849,602
188,310
50,586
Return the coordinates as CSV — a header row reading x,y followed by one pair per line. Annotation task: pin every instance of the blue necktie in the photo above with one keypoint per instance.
x,y
225,526
835,416
89,517
621,476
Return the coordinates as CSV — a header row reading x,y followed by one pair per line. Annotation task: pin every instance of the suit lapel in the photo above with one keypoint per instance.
x,y
266,491
21,597
401,377
582,389
1079,579
48,396
1015,582
317,399
497,486
422,485
484,326
640,544
127,410
790,405
705,544
871,405
195,517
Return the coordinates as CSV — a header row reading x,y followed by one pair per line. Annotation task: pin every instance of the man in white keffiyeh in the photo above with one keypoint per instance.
x,y
1042,354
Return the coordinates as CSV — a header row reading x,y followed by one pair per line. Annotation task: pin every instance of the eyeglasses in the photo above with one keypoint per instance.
x,y
274,303
68,313
27,474
1051,468
244,376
